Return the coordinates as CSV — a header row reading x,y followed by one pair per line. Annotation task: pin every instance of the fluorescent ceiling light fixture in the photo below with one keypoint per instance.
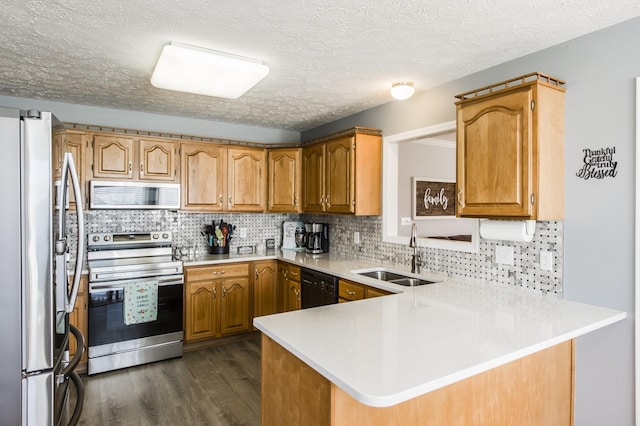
x,y
192,69
403,90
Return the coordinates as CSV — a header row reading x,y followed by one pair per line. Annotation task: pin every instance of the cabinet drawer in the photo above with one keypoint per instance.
x,y
217,272
294,273
350,291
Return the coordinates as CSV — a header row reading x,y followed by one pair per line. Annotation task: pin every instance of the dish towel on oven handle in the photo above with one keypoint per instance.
x,y
140,302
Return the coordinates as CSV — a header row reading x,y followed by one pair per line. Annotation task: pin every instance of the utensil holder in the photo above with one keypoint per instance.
x,y
219,249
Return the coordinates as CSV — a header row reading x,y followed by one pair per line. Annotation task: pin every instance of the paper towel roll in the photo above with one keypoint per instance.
x,y
508,230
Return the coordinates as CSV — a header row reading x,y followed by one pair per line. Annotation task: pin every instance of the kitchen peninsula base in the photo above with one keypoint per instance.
x,y
537,389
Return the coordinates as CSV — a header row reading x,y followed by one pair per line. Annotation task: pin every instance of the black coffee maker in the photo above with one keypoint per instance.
x,y
317,237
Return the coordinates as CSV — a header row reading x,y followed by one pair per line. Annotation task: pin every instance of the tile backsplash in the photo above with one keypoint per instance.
x,y
186,227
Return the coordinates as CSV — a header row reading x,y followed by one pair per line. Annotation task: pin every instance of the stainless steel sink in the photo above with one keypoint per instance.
x,y
381,275
393,277
411,282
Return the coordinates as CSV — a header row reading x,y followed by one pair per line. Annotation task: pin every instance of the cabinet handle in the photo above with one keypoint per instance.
x,y
214,273
533,199
295,201
130,167
221,199
460,203
257,274
214,292
230,203
350,292
296,291
221,272
326,200
141,168
224,291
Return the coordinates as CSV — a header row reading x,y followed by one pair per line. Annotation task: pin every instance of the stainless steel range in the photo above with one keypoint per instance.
x,y
118,264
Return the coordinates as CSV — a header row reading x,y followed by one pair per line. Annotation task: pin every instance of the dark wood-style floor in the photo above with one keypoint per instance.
x,y
219,385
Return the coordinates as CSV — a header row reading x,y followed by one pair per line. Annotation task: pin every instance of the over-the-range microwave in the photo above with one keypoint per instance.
x,y
133,195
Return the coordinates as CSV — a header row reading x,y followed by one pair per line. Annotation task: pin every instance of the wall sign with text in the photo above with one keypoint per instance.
x,y
598,163
434,198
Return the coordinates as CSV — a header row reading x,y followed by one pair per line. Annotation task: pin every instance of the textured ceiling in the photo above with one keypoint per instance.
x,y
328,59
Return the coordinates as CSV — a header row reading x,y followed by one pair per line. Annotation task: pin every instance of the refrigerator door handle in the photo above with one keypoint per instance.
x,y
68,300
71,300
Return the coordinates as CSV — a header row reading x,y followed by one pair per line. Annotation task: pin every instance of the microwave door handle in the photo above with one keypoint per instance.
x,y
71,301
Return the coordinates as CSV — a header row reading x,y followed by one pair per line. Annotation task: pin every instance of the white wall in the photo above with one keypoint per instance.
x,y
600,71
152,122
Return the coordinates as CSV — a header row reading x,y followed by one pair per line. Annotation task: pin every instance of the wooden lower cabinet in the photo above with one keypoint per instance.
x,y
265,288
289,286
534,390
349,291
216,301
78,318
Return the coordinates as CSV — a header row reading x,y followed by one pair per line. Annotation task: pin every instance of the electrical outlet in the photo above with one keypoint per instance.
x,y
504,255
405,221
546,260
243,232
356,237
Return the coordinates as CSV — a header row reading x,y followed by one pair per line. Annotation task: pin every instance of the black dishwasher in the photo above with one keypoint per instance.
x,y
318,289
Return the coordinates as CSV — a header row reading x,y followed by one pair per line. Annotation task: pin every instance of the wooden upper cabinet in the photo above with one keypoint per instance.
x,y
112,157
120,157
340,170
157,160
510,151
73,141
246,179
203,176
344,174
313,182
285,180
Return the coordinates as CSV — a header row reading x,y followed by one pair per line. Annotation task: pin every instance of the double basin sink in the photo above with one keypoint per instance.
x,y
393,277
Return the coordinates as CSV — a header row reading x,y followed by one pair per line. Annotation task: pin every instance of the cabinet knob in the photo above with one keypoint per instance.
x,y
141,168
221,272
214,273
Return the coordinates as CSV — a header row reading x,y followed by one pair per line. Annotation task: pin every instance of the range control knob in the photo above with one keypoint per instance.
x,y
107,237
165,236
96,238
155,236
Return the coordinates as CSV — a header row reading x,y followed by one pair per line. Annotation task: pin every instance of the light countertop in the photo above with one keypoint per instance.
x,y
386,350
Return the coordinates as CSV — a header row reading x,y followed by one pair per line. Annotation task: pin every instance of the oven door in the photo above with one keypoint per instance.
x,y
106,312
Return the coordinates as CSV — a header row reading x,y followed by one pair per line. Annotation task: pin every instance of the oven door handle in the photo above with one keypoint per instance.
x,y
119,285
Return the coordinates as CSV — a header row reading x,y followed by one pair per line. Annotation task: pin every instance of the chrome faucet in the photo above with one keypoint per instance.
x,y
415,258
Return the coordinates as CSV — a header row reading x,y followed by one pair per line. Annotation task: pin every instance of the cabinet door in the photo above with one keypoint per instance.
x,y
234,305
112,157
375,292
203,176
157,160
494,156
292,296
349,291
56,154
340,188
282,286
285,180
313,184
74,142
247,180
265,289
202,310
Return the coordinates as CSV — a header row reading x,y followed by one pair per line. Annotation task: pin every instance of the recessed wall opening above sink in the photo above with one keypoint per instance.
x,y
403,156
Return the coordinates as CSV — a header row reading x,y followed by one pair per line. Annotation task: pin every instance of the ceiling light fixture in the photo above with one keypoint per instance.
x,y
402,90
192,69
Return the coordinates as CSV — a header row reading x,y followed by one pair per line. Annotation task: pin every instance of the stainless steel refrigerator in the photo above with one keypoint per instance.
x,y
36,374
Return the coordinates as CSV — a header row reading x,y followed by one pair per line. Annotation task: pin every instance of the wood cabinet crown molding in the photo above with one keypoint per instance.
x,y
510,150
